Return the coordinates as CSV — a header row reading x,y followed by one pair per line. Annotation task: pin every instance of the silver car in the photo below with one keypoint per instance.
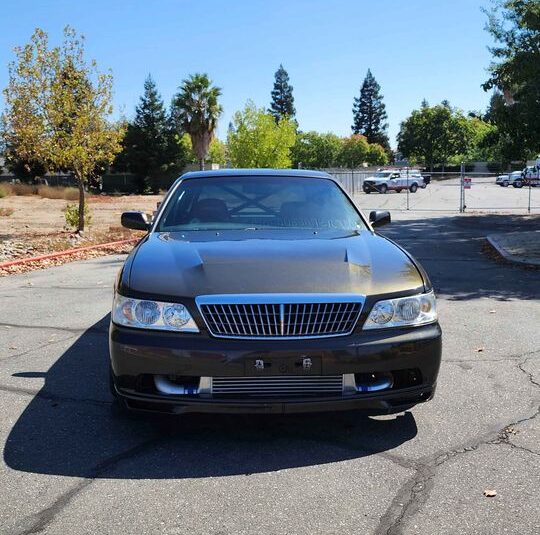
x,y
515,178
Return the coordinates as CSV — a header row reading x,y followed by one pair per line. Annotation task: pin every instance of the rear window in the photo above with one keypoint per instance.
x,y
227,203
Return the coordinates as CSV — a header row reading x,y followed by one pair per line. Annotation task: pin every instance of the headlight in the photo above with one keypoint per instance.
x,y
405,311
143,314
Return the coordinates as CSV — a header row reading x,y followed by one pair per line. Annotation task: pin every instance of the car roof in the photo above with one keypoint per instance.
x,y
305,173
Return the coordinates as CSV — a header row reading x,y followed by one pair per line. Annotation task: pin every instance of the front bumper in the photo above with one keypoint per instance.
x,y
137,355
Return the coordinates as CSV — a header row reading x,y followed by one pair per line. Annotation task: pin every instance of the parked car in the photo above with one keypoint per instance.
x,y
268,291
515,178
394,180
531,176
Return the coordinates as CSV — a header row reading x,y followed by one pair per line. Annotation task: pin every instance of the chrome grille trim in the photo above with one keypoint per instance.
x,y
280,316
273,385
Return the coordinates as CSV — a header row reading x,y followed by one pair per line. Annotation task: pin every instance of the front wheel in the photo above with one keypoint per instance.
x,y
383,188
518,184
367,191
413,188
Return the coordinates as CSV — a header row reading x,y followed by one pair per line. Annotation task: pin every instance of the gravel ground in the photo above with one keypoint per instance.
x,y
72,465
36,227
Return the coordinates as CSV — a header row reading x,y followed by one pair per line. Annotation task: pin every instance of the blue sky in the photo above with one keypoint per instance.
x,y
416,49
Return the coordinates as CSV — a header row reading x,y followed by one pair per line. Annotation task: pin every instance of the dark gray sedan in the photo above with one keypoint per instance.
x,y
268,291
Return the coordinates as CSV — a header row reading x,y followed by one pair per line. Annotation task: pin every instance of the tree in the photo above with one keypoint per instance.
x,y
316,151
369,113
150,148
258,141
196,110
505,141
433,134
57,109
377,155
515,71
217,150
25,170
282,105
480,148
354,151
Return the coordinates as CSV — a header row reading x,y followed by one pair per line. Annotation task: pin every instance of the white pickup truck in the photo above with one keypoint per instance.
x,y
397,180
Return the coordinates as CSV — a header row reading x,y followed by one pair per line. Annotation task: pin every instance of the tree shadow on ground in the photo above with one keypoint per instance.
x,y
70,429
455,253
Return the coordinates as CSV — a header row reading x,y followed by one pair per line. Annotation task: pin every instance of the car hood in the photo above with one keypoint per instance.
x,y
189,264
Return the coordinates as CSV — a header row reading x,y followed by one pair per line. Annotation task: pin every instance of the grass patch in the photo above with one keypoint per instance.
x,y
21,189
46,192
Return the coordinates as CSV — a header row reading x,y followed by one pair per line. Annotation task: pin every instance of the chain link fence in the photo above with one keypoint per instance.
x,y
465,190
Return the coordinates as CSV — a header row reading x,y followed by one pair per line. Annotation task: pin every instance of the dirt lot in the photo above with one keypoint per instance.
x,y
33,225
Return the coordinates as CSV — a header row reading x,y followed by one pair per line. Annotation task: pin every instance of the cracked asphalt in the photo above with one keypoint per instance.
x,y
72,465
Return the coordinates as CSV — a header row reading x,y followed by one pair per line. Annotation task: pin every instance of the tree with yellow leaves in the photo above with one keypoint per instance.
x,y
58,109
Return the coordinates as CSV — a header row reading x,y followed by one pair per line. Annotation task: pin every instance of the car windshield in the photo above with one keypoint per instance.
x,y
258,202
382,175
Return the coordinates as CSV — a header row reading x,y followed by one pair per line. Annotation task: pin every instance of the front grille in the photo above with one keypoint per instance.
x,y
280,320
277,386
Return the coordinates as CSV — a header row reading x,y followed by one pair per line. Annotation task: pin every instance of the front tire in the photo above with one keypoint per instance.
x,y
413,188
518,184
505,184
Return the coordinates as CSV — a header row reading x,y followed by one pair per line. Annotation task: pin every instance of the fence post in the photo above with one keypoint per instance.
x,y
529,206
407,188
462,189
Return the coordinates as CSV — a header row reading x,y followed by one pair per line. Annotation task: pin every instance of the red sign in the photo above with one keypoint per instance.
x,y
467,182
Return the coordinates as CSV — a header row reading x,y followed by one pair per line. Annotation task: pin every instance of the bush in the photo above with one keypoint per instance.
x,y
48,192
71,214
22,189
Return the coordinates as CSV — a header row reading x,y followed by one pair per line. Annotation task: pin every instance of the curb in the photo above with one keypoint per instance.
x,y
65,253
507,256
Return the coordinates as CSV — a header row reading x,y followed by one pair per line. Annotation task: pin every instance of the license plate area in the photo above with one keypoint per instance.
x,y
297,365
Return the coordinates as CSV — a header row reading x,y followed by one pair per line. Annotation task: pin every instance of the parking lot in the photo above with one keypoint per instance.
x,y
444,195
71,464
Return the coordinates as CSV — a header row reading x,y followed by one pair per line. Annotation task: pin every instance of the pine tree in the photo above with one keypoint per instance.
x,y
151,151
282,104
369,113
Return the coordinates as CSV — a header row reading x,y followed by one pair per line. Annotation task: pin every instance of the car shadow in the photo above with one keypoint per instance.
x,y
70,428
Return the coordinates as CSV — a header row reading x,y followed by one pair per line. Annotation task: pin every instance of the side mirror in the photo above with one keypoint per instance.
x,y
135,220
378,218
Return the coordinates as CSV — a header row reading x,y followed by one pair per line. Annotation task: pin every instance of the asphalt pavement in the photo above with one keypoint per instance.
x,y
72,465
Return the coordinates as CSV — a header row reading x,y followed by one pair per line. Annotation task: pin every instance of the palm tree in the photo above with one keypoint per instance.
x,y
195,110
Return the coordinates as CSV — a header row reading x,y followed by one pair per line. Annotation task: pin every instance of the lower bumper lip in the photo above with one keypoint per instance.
x,y
372,404
136,355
